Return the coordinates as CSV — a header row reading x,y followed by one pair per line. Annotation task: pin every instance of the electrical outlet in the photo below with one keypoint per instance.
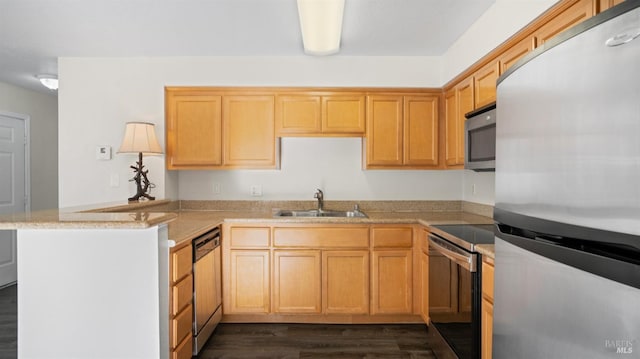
x,y
217,188
473,188
256,190
114,180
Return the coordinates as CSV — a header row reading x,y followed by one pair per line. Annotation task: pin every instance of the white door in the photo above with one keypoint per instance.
x,y
13,191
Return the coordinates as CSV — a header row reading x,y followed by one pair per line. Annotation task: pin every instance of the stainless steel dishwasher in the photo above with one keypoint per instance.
x,y
207,287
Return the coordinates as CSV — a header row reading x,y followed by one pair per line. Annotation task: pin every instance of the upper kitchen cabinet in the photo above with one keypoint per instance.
x,y
458,101
194,130
607,4
210,128
402,131
576,12
484,85
334,114
248,131
514,53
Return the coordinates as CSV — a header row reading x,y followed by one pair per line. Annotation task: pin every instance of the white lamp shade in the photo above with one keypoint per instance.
x,y
140,137
321,25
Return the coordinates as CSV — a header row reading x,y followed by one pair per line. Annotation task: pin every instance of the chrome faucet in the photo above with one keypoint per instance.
x,y
320,196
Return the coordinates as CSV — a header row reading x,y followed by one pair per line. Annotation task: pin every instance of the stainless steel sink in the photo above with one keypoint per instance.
x,y
316,213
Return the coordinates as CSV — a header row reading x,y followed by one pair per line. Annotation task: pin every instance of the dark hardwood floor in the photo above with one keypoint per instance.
x,y
274,340
317,341
9,322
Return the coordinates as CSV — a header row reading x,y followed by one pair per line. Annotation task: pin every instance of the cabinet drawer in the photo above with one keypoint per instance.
x,y
320,237
385,237
249,237
181,326
181,263
487,280
184,349
181,294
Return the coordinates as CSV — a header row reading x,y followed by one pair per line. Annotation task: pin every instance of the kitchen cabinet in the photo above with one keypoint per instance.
x,y
180,301
402,131
607,4
392,270
578,11
424,276
246,269
345,282
296,281
486,331
214,129
458,102
484,82
194,130
514,53
326,114
248,131
321,273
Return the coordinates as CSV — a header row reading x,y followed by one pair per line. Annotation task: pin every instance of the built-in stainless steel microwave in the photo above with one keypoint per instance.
x,y
480,139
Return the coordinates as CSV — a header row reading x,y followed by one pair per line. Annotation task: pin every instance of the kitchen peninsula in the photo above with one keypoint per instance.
x,y
94,276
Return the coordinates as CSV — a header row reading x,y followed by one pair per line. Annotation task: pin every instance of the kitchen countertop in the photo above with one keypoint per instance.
x,y
186,224
487,250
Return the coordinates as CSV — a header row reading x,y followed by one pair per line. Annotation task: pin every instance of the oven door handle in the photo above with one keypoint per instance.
x,y
459,256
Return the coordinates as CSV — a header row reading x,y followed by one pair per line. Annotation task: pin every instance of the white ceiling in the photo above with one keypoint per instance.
x,y
34,33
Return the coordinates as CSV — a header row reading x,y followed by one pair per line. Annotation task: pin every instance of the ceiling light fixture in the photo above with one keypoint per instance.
x,y
48,81
321,25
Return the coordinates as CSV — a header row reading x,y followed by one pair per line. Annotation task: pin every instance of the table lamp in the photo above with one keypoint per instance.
x,y
140,137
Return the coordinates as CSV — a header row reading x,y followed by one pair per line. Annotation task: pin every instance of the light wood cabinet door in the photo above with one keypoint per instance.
x,y
343,114
391,282
514,53
420,130
296,281
298,114
424,286
451,124
249,131
249,282
345,282
484,82
486,323
384,130
194,130
576,13
466,96
607,4
443,284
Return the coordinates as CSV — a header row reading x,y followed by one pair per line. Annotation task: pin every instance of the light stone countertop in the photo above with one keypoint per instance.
x,y
487,250
185,224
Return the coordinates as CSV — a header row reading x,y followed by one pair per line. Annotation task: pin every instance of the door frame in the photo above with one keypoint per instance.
x,y
26,119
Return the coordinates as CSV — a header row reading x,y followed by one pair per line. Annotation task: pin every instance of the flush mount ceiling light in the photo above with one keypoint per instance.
x,y
48,81
321,25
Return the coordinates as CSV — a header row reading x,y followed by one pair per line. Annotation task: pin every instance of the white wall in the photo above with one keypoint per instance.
x,y
503,19
43,112
331,164
98,95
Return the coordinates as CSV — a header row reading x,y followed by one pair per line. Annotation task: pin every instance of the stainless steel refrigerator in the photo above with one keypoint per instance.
x,y
567,266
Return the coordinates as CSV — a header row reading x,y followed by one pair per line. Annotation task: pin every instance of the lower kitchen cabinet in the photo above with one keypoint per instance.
x,y
319,273
486,319
392,270
345,282
248,282
424,275
296,281
180,302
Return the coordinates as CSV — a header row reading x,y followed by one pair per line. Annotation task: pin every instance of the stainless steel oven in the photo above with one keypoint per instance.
x,y
458,324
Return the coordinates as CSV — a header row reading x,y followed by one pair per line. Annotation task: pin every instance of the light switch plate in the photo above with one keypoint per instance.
x,y
103,153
